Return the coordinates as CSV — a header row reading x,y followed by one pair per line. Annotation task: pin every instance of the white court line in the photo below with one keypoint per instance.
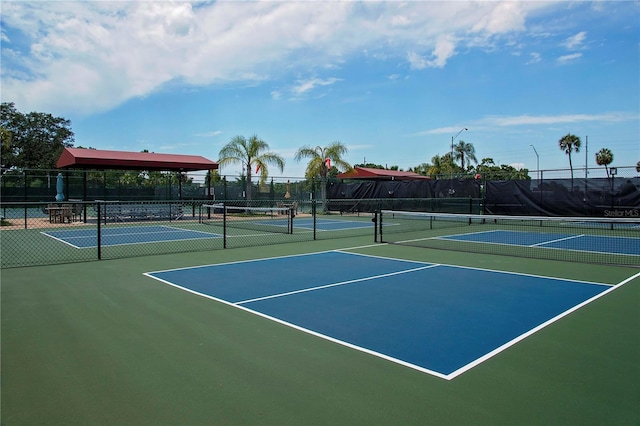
x,y
61,240
93,235
571,237
305,290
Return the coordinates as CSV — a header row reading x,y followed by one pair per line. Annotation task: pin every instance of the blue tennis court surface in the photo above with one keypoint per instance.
x,y
438,319
590,243
113,236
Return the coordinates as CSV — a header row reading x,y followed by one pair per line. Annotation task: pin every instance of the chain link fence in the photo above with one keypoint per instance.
x,y
76,231
52,216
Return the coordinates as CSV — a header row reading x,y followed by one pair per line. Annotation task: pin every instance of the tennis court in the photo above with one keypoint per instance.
x,y
434,318
122,235
341,330
580,242
584,239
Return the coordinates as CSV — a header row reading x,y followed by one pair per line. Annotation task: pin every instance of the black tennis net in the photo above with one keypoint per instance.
x,y
263,219
576,239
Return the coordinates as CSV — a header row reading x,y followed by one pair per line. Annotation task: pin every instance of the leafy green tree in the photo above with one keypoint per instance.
x,y
604,157
6,152
436,166
464,151
490,171
448,165
422,169
570,143
638,166
321,161
252,152
377,166
213,176
370,166
34,140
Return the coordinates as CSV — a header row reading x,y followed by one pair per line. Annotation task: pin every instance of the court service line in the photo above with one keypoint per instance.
x,y
571,237
305,290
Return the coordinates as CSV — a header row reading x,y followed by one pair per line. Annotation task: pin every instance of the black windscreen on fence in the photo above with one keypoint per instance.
x,y
565,197
600,197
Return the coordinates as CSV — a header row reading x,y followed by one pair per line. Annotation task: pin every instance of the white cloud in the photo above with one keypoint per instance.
x,y
534,57
304,86
525,120
88,56
209,134
488,123
505,17
576,42
565,59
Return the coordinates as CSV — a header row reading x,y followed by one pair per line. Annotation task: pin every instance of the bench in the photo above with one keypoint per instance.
x,y
139,211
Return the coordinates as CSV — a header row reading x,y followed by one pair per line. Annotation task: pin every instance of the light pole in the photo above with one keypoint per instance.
x,y
537,161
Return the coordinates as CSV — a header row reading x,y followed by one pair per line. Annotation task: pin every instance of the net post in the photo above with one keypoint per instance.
x,y
313,213
224,225
290,220
375,226
380,225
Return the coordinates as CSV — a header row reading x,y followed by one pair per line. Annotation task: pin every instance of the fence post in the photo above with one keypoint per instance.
x,y
99,211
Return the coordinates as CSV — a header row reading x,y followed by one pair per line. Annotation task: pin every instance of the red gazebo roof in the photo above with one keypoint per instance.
x,y
123,160
379,174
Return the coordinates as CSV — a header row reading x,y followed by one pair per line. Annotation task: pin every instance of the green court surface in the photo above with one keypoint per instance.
x,y
99,343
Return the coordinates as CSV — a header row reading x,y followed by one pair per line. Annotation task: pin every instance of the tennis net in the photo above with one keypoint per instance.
x,y
263,219
576,239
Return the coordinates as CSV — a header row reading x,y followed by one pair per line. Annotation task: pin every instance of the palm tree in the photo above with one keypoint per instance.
x,y
447,164
422,169
570,143
436,166
604,157
321,159
464,151
250,153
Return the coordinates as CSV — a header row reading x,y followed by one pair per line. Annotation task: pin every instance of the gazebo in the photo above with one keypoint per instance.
x,y
94,159
81,158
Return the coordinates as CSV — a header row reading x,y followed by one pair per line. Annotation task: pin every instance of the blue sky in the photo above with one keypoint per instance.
x,y
392,81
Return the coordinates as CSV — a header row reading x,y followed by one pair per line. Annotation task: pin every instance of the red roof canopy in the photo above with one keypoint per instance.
x,y
379,174
123,160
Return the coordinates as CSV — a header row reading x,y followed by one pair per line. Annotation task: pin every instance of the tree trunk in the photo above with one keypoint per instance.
x,y
248,186
571,168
